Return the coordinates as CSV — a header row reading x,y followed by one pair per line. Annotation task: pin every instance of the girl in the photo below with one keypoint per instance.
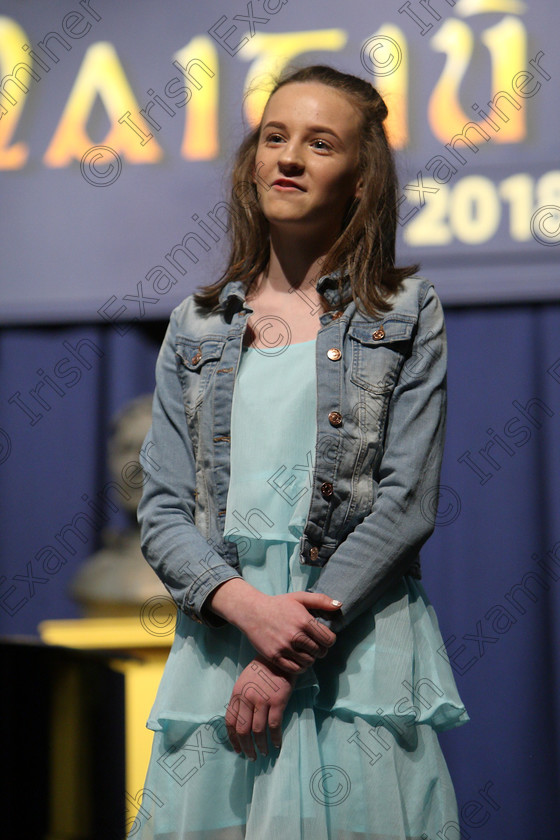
x,y
291,472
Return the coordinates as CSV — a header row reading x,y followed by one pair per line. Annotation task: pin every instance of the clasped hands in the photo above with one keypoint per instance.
x,y
288,639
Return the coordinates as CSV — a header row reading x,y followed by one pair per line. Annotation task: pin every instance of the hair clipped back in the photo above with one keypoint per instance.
x,y
365,247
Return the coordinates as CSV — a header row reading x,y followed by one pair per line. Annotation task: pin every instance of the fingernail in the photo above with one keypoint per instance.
x,y
336,603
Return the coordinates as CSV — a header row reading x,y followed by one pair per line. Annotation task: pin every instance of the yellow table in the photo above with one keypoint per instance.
x,y
142,674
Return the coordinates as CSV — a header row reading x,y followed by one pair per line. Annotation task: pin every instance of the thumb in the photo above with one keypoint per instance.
x,y
317,600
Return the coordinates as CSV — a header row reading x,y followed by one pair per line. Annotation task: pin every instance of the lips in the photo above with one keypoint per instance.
x,y
285,182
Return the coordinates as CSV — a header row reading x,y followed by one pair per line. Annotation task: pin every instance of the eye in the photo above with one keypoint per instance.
x,y
326,146
271,136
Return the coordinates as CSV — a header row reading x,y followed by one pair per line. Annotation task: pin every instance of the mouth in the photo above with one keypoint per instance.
x,y
286,184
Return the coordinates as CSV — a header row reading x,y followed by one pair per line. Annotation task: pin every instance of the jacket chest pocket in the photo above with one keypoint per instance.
x,y
378,352
196,362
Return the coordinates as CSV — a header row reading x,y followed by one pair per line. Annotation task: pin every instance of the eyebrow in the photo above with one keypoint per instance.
x,y
322,129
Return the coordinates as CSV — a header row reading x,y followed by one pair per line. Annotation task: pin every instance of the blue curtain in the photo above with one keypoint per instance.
x,y
492,568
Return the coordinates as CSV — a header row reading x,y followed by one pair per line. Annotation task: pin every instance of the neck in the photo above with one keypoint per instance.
x,y
295,262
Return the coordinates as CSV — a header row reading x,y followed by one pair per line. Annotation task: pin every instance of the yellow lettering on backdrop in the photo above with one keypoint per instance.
x,y
476,7
393,87
200,59
101,74
272,52
15,73
507,44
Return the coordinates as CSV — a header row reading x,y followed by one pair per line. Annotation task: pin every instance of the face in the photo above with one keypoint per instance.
x,y
310,136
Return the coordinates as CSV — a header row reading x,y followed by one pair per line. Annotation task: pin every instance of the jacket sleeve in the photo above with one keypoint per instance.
x,y
174,547
381,547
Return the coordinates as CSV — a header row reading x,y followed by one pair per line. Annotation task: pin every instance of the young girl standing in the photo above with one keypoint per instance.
x,y
291,472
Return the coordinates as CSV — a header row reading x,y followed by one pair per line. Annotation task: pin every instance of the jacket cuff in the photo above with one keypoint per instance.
x,y
196,609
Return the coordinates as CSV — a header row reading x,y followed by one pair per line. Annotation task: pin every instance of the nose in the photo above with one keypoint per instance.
x,y
290,156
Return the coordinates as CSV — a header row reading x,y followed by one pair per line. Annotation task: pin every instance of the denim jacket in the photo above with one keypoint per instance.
x,y
381,408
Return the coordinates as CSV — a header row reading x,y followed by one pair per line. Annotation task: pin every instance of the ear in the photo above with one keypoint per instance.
x,y
254,171
359,189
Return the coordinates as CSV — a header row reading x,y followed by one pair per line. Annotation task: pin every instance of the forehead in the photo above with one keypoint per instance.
x,y
312,102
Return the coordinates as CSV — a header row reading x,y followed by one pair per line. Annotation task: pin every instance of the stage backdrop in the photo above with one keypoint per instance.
x,y
118,120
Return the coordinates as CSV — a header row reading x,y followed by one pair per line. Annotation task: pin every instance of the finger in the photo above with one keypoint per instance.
x,y
304,644
275,726
303,650
233,739
304,660
240,719
286,664
260,720
321,634
231,718
296,663
244,734
300,652
316,600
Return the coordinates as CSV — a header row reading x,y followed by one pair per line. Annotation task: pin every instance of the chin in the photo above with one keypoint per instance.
x,y
284,221
285,214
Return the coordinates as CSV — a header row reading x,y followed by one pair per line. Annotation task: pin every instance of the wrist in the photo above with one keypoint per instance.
x,y
233,600
275,669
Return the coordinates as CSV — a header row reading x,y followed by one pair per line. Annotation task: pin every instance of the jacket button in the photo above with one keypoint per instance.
x,y
327,489
196,358
335,418
313,553
337,314
334,353
379,334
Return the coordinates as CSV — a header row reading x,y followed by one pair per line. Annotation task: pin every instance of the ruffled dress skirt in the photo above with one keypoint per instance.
x,y
360,757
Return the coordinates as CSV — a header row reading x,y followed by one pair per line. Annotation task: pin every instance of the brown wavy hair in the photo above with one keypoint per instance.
x,y
365,247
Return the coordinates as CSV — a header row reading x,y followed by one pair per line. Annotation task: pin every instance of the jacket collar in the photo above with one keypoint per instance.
x,y
327,285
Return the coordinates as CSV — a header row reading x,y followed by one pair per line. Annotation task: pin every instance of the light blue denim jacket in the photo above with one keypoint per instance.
x,y
381,407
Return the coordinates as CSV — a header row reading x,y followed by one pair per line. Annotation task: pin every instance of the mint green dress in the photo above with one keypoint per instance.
x,y
360,757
